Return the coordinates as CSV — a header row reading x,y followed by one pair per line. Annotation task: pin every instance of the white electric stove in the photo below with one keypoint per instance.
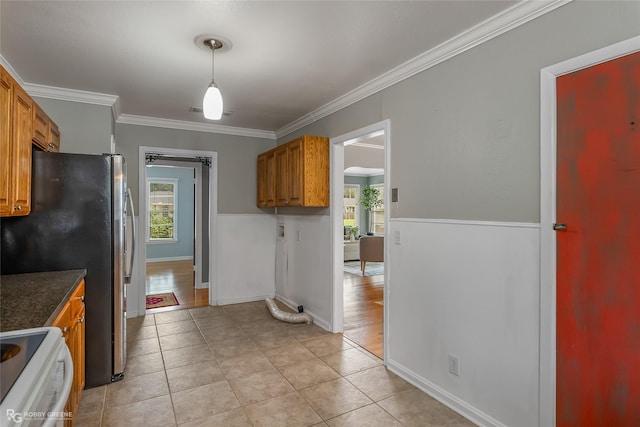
x,y
36,373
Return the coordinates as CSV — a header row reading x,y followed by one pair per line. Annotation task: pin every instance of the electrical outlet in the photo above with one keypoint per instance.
x,y
396,237
454,366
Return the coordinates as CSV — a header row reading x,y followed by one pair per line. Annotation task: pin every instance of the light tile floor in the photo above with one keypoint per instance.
x,y
237,366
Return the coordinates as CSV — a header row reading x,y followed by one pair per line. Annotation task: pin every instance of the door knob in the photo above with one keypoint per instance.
x,y
560,227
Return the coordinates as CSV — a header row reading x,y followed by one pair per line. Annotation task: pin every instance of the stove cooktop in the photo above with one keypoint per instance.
x,y
16,353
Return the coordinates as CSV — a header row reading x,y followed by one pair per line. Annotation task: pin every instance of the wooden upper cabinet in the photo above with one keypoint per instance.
x,y
266,180
298,172
262,180
6,102
45,132
281,172
40,127
295,173
53,142
21,152
22,124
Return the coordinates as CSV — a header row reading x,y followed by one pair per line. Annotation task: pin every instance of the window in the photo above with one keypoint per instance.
x,y
378,213
162,195
351,214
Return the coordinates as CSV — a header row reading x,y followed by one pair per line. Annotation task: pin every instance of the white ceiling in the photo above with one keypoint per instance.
x,y
288,57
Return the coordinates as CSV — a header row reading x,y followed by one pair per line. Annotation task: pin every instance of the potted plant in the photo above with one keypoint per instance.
x,y
370,199
353,232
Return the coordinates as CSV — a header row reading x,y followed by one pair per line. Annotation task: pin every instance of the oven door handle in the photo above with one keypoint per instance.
x,y
64,357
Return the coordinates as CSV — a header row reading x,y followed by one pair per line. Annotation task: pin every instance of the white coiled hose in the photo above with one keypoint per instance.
x,y
285,316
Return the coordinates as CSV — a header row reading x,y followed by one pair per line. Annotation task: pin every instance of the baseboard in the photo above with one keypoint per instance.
x,y
460,406
294,306
203,285
173,258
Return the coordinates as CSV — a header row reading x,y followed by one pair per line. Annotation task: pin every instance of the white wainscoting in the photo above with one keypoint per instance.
x,y
303,271
469,289
246,258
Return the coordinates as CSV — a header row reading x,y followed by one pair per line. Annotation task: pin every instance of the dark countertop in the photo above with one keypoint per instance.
x,y
34,300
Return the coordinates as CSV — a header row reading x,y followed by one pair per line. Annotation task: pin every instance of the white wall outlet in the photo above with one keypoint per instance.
x,y
396,237
454,366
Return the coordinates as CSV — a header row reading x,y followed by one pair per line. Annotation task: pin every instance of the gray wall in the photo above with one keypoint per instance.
x,y
465,135
84,128
236,160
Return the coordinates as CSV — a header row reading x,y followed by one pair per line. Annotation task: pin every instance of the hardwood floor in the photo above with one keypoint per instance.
x,y
176,277
363,310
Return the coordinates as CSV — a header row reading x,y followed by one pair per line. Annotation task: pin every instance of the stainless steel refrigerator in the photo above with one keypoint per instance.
x,y
78,219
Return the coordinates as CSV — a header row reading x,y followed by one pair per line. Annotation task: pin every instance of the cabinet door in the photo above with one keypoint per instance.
x,y
6,98
40,127
266,180
53,143
78,313
262,180
21,154
76,347
81,353
296,173
282,181
271,179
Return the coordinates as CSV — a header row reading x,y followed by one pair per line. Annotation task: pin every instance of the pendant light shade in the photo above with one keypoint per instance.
x,y
212,102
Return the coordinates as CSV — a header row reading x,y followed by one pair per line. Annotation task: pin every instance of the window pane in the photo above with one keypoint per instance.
x,y
378,214
351,205
161,210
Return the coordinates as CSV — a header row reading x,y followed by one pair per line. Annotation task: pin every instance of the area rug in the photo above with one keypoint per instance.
x,y
162,300
372,269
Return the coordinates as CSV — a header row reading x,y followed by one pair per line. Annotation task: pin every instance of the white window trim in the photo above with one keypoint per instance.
x,y
357,218
175,182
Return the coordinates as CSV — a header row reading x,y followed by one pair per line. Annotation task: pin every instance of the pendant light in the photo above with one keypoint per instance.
x,y
212,102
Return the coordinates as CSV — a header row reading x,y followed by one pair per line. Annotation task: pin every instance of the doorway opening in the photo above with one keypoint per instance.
x,y
172,236
176,261
360,280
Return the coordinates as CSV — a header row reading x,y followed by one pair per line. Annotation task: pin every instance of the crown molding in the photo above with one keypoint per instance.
x,y
511,18
11,71
194,126
73,95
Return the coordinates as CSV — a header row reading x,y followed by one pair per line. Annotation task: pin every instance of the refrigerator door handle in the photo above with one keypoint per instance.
x,y
127,276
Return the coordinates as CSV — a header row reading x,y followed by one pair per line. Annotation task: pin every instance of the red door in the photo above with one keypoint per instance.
x,y
598,263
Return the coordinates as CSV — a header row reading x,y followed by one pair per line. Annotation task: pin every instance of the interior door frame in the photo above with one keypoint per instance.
x,y
548,144
141,223
337,227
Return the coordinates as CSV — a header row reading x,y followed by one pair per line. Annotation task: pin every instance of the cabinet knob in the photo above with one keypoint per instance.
x,y
18,208
65,330
81,320
51,145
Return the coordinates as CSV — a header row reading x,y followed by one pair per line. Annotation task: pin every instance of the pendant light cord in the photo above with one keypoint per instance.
x,y
213,55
